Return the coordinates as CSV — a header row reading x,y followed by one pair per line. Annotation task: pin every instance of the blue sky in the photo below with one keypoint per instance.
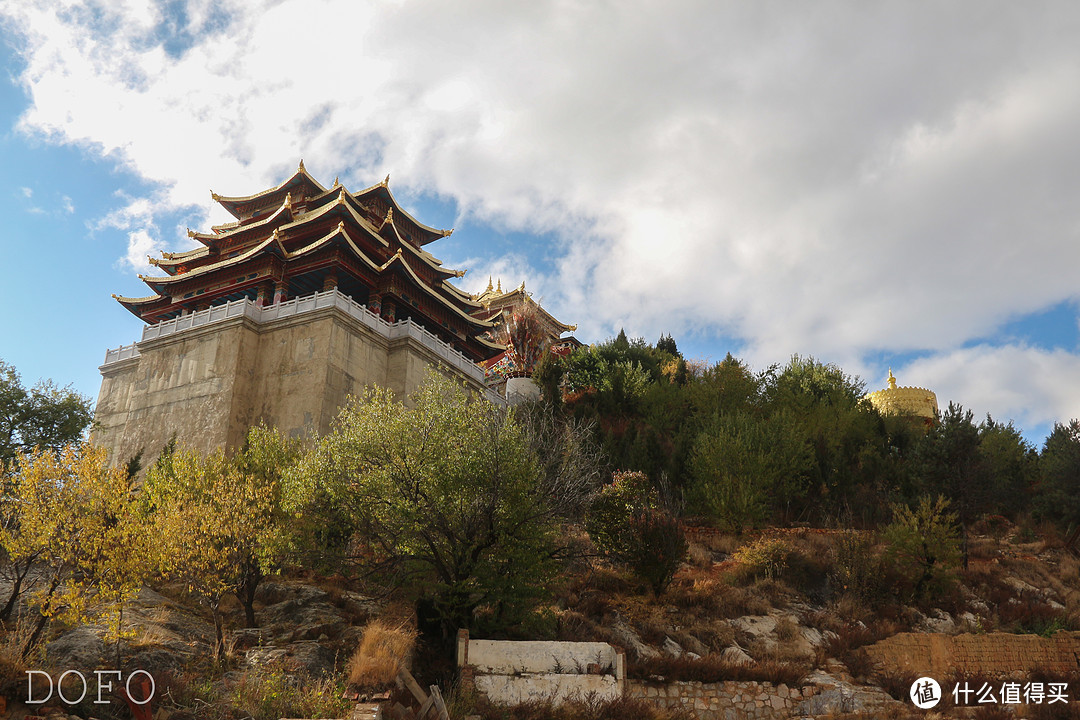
x,y
886,184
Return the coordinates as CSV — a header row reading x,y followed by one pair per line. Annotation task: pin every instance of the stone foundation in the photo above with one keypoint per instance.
x,y
724,700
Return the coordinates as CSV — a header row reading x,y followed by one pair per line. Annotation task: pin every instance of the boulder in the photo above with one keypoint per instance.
x,y
735,655
624,635
77,649
302,658
671,647
835,697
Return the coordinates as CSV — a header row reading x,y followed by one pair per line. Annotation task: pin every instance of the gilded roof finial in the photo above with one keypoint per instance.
x,y
490,287
386,180
892,380
337,181
499,288
389,215
301,168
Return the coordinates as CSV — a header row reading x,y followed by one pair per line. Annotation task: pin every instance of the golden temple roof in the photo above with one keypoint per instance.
x,y
897,400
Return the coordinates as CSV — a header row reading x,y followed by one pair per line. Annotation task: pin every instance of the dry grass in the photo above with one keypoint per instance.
x,y
711,669
699,556
383,652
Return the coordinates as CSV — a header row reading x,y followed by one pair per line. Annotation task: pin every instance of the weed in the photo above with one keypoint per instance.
x,y
383,651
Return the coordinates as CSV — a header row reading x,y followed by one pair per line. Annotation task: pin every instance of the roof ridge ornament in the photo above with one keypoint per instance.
x,y
301,168
386,180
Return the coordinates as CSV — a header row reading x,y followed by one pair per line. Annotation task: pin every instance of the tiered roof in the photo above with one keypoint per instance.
x,y
300,237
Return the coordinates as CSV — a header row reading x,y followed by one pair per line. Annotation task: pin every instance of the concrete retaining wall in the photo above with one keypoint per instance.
x,y
512,672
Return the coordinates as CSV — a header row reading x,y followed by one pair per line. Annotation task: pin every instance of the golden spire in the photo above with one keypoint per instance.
x,y
892,380
337,181
301,168
499,289
386,180
490,287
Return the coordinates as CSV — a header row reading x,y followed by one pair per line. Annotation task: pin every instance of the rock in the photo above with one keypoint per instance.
x,y
672,648
78,649
625,636
308,658
157,661
833,696
692,644
735,655
938,621
243,639
361,606
970,621
759,627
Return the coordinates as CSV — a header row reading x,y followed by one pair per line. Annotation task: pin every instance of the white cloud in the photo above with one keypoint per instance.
x,y
1030,386
27,192
827,178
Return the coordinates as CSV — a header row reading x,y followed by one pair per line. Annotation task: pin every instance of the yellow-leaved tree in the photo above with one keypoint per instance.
x,y
218,520
75,518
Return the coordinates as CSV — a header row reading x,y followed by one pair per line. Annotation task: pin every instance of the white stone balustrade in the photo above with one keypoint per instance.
x,y
299,306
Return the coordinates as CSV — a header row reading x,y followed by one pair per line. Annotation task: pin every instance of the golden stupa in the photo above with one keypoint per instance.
x,y
912,401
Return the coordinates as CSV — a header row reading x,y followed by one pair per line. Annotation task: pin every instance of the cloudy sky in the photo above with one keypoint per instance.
x,y
874,184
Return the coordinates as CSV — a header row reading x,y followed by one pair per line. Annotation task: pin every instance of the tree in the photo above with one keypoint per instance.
x,y
949,461
1059,475
73,516
628,524
447,497
44,416
220,521
1011,467
745,466
923,542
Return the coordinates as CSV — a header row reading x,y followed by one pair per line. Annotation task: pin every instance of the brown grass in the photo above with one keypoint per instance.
x,y
383,652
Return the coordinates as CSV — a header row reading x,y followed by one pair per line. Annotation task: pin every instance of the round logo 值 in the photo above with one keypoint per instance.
x,y
925,693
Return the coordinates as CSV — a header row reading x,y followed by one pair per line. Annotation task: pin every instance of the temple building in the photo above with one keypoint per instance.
x,y
309,295
915,402
524,329
300,238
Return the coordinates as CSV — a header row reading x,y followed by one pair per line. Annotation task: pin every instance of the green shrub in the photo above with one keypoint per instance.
x,y
924,545
627,525
764,557
857,571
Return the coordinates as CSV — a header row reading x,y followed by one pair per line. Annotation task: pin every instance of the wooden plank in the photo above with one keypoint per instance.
x,y
414,687
436,695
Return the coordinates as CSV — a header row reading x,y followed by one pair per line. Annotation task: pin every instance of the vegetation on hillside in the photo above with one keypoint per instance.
x,y
642,487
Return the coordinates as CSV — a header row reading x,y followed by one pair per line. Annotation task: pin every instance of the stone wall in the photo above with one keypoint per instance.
x,y
992,654
724,700
290,366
